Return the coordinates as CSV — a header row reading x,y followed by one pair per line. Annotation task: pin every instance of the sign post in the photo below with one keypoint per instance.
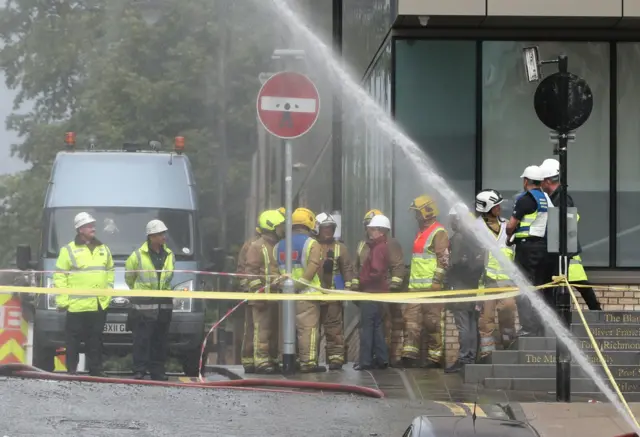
x,y
563,102
288,107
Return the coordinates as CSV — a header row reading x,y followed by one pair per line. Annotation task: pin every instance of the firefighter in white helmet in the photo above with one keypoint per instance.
x,y
488,209
528,229
337,274
577,275
84,263
150,267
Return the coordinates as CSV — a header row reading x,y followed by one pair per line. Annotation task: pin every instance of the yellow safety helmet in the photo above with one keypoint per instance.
x,y
371,214
426,205
268,220
304,217
281,210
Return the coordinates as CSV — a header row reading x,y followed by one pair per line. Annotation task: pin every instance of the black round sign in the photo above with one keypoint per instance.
x,y
548,102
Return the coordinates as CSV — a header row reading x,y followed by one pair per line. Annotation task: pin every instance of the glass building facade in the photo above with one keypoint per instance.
x,y
464,99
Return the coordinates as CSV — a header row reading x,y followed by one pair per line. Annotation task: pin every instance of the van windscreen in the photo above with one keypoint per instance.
x,y
123,229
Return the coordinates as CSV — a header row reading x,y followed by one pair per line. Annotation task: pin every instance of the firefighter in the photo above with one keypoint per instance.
x,y
429,263
391,312
467,268
528,228
306,261
488,209
247,338
337,274
151,268
577,275
261,263
84,263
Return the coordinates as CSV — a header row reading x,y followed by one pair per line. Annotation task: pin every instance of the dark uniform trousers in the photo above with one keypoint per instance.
x,y
151,342
87,327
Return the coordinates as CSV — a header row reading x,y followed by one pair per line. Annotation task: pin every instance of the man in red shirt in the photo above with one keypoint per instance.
x,y
374,279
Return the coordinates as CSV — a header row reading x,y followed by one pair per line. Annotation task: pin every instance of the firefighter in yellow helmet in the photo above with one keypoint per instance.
x,y
247,339
260,262
392,314
337,274
429,263
306,259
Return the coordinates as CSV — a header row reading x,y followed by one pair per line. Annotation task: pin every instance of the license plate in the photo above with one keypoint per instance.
x,y
116,328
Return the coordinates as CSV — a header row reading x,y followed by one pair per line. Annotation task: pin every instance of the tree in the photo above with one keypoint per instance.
x,y
96,68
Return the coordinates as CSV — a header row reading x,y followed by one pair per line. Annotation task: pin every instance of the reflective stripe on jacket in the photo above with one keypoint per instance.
x,y
424,263
301,246
149,279
79,267
535,224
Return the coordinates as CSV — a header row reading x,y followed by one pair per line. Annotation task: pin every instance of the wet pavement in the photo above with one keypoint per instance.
x,y
47,408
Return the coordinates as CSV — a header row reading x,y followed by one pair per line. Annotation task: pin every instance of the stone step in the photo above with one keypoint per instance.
x,y
476,373
604,343
548,357
607,330
631,385
609,317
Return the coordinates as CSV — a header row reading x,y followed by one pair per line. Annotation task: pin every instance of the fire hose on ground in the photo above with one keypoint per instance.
x,y
260,385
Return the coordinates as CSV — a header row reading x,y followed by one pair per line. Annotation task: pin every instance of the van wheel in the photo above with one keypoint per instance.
x,y
190,363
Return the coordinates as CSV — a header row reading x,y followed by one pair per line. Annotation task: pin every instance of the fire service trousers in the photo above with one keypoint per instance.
x,y
429,317
489,330
86,327
307,323
393,330
247,338
265,334
332,319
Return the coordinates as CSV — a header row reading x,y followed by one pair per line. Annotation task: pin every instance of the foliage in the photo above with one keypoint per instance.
x,y
98,69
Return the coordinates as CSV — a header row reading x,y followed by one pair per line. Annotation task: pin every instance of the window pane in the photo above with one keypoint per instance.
x,y
436,106
628,165
367,155
514,138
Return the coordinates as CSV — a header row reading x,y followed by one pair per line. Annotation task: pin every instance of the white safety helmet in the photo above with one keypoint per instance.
x,y
156,227
550,168
487,199
324,219
533,173
380,221
83,218
457,208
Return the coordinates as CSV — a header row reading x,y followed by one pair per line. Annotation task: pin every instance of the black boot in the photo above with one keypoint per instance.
x,y
335,366
268,369
249,369
455,367
138,375
160,377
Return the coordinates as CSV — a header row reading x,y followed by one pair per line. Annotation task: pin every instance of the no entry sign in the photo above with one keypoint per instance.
x,y
288,105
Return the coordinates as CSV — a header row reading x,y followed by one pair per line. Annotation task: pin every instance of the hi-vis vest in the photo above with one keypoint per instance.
x,y
576,269
337,282
147,279
535,224
80,268
494,269
300,248
424,264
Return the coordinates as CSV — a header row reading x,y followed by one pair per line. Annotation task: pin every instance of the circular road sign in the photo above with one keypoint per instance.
x,y
288,105
547,102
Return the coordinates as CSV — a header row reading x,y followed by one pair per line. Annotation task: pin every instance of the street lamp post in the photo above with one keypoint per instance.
x,y
563,102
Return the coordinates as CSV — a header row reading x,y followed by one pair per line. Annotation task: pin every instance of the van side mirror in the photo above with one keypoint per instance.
x,y
23,257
